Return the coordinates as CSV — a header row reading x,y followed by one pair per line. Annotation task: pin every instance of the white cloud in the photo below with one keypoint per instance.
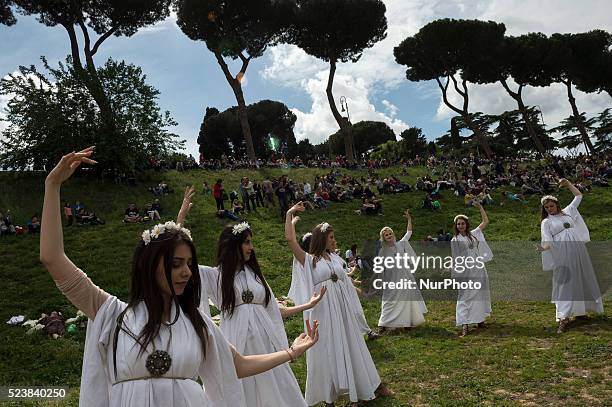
x,y
377,72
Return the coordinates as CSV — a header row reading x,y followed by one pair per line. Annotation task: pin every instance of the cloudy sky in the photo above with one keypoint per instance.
x,y
376,89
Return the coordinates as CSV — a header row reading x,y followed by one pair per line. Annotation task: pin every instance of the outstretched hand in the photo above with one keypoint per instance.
x,y
68,164
407,214
305,341
314,300
295,220
477,204
186,205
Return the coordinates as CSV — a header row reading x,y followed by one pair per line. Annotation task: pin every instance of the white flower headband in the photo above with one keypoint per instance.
x,y
239,228
548,198
306,236
161,228
460,217
324,227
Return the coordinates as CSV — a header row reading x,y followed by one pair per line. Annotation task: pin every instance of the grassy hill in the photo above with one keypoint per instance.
x,y
518,360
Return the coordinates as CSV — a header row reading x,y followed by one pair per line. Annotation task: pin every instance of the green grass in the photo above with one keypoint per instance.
x,y
518,360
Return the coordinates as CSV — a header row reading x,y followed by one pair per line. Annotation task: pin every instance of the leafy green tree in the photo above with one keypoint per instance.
x,y
523,58
49,114
339,31
454,51
412,143
572,58
604,131
388,150
104,18
366,135
571,128
222,133
239,30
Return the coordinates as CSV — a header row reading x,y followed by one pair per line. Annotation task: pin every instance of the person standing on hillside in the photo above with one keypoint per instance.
x,y
564,233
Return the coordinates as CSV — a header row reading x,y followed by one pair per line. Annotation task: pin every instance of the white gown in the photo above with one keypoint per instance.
x,y
575,288
400,308
340,362
133,386
473,305
256,329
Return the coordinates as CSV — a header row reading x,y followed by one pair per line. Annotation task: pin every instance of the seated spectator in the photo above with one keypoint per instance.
x,y
237,206
34,225
6,224
515,197
151,212
444,237
68,213
352,258
132,215
468,199
87,218
428,203
371,206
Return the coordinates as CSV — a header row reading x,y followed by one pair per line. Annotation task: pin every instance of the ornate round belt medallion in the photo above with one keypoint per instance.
x,y
158,362
247,296
334,277
566,225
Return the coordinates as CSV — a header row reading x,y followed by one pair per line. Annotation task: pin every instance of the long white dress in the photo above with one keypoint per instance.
x,y
340,362
400,308
256,329
133,386
473,305
575,288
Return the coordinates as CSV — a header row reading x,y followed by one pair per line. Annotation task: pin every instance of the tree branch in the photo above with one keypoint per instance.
x,y
456,85
102,39
444,89
228,75
85,37
74,47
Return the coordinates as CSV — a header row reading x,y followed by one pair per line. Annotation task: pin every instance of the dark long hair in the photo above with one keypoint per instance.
x,y
144,288
230,261
544,214
318,242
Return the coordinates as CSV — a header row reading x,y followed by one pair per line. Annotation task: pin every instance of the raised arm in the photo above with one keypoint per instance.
x,y
299,254
186,205
577,194
254,364
75,284
483,215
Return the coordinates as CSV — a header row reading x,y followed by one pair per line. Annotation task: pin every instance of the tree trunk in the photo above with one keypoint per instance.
x,y
579,123
480,138
528,124
242,110
344,124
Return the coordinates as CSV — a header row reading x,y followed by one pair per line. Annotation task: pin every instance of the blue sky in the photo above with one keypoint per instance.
x,y
189,78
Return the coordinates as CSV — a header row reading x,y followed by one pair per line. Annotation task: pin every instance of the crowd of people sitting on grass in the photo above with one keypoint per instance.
x,y
152,211
283,192
474,179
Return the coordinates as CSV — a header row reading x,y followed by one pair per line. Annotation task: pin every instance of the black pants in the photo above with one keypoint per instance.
x,y
219,202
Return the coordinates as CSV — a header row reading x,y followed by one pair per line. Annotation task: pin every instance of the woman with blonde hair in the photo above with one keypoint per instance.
x,y
400,308
564,234
342,364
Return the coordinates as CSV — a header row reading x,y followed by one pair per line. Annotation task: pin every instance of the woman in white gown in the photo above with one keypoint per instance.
x,y
400,308
341,364
152,350
251,319
470,246
575,289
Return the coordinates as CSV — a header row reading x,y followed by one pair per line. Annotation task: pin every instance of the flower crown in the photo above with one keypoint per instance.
x,y
162,228
324,227
239,228
548,198
460,217
306,236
